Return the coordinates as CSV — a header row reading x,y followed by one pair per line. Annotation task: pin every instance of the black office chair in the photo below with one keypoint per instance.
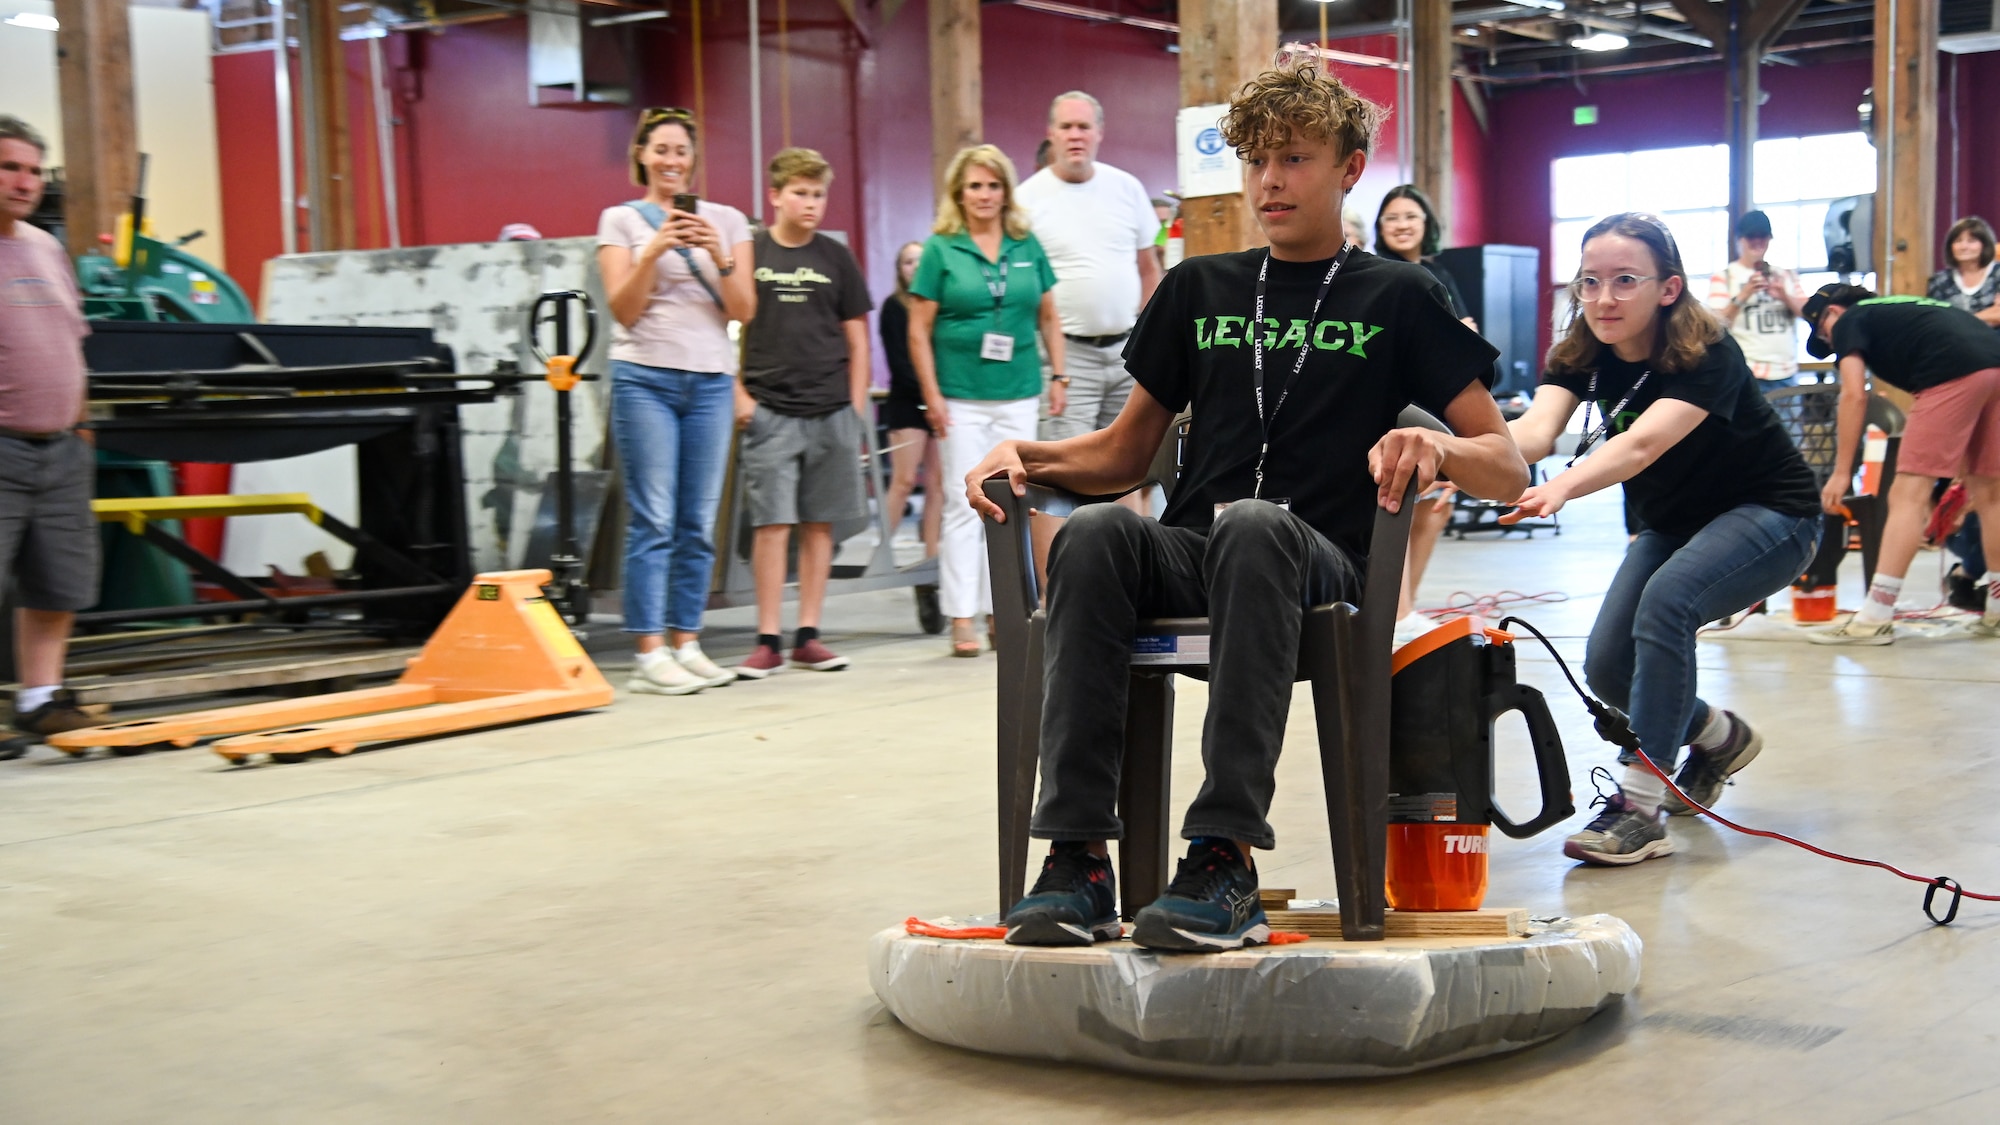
x,y
1343,651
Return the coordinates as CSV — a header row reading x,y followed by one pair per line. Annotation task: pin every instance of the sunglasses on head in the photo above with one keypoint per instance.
x,y
667,113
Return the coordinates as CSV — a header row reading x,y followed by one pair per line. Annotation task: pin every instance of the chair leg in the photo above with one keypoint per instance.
x,y
1353,724
1143,787
1020,738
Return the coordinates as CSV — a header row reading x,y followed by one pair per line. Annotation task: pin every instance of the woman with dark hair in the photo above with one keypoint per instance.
x,y
1730,511
1970,282
912,446
675,278
1408,227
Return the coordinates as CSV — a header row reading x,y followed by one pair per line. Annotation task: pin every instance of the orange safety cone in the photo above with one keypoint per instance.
x,y
1874,450
503,655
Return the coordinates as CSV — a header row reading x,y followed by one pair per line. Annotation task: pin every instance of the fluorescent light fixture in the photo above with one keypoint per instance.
x,y
36,20
1599,41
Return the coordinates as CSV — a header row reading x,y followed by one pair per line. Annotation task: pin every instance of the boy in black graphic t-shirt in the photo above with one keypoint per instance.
x,y
800,404
1950,361
1347,341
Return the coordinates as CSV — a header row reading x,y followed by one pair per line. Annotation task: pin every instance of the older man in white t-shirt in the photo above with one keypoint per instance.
x,y
1097,225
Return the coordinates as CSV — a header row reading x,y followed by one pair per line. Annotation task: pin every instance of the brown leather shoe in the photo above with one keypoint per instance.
x,y
56,716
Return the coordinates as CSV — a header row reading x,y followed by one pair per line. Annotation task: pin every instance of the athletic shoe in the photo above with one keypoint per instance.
x,y
1410,628
662,675
1210,906
1987,626
59,714
1075,902
762,662
1705,772
690,657
817,657
14,745
1621,835
1857,632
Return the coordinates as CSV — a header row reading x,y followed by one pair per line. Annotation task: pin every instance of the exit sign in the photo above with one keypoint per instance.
x,y
1585,115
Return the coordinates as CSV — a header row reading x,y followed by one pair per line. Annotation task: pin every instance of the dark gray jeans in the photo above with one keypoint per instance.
x,y
1253,575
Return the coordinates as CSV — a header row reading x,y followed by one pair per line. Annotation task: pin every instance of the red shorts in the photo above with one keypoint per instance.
x,y
1954,429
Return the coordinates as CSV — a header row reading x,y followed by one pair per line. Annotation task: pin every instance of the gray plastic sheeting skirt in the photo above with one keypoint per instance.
x,y
1313,1010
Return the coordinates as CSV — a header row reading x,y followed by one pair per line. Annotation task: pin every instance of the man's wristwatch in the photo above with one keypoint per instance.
x,y
1063,379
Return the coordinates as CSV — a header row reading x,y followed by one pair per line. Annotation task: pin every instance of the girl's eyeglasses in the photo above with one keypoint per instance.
x,y
1623,287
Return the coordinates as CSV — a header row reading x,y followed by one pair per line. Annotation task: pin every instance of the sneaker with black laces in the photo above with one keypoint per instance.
x,y
1210,906
1705,772
1986,626
1074,902
58,715
1857,632
1621,835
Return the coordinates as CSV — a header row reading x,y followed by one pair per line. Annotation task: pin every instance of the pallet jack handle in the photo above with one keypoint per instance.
x,y
572,594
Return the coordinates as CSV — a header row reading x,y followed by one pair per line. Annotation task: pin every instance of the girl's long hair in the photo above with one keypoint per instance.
x,y
903,287
1684,330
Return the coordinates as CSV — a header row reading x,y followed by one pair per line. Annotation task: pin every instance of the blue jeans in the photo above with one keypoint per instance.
x,y
1641,652
672,433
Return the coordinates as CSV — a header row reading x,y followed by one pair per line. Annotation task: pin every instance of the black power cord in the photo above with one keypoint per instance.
x,y
1614,727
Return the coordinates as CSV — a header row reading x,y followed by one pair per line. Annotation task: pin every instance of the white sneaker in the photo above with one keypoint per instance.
x,y
1410,628
1857,632
658,673
1987,626
711,674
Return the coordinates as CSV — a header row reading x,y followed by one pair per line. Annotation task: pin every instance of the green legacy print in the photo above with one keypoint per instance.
x,y
1328,336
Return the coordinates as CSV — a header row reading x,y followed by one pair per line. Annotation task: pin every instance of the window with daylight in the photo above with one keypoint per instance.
x,y
1794,180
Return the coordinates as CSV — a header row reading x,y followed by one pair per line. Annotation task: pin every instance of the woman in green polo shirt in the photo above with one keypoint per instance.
x,y
983,287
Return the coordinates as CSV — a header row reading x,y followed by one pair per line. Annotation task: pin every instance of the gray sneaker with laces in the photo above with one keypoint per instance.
x,y
1705,772
1621,835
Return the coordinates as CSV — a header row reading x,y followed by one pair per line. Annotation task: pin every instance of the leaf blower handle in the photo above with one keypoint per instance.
x,y
1558,803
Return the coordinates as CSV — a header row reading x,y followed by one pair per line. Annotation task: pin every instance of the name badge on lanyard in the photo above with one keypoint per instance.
x,y
996,346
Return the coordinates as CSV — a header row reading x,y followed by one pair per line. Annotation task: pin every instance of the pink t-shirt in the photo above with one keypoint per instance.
x,y
41,334
681,328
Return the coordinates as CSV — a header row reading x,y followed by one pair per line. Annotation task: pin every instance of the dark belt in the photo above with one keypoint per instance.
x,y
38,439
1099,341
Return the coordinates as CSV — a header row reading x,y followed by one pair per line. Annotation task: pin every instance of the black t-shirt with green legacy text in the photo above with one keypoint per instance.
x,y
1916,343
795,350
1739,454
1384,338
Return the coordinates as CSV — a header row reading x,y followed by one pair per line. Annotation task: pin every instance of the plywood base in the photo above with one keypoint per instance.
x,y
1325,923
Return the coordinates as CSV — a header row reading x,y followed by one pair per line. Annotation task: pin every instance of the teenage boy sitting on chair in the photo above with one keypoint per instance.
x,y
1297,361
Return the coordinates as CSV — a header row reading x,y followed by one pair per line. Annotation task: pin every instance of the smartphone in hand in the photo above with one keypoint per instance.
x,y
686,201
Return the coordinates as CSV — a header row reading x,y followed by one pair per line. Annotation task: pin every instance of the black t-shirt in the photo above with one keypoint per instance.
x,y
903,385
1451,289
1739,454
1914,342
795,350
1384,339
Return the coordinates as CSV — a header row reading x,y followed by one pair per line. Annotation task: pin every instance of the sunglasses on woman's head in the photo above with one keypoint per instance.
x,y
667,113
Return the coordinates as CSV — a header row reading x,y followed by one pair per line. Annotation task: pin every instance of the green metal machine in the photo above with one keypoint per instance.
x,y
157,280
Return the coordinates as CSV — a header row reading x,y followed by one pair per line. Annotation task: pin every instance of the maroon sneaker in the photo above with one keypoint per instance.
x,y
765,661
817,657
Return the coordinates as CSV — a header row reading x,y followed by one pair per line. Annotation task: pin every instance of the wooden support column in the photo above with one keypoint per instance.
x,y
956,122
1223,44
1906,48
1743,31
1431,59
100,134
330,164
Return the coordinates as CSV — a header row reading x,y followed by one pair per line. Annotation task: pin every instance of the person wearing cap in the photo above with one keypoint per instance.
x,y
1950,361
1760,303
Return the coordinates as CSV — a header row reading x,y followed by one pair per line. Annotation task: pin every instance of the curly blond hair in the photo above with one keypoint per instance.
x,y
1299,99
951,213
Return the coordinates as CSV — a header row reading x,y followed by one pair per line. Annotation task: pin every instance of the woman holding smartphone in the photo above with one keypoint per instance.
x,y
1728,506
677,271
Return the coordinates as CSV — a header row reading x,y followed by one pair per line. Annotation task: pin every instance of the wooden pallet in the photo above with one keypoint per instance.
x,y
241,675
1489,922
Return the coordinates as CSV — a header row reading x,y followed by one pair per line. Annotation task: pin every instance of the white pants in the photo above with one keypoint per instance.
x,y
976,427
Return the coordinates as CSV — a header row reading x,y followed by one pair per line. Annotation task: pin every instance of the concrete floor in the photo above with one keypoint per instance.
x,y
659,912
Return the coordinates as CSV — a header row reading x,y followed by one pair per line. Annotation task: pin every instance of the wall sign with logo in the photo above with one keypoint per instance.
x,y
1208,166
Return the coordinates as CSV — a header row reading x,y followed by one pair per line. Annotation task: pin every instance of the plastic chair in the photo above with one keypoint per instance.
x,y
1343,652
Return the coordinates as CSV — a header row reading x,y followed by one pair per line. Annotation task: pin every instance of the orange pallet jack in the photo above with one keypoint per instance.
x,y
502,656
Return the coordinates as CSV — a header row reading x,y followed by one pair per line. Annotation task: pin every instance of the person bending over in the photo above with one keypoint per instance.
x,y
1726,503
1293,446
1950,361
800,404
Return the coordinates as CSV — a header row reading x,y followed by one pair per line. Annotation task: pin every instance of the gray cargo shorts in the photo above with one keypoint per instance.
x,y
48,537
803,470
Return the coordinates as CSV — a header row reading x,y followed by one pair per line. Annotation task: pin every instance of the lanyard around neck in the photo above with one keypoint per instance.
x,y
1305,348
1590,436
994,273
